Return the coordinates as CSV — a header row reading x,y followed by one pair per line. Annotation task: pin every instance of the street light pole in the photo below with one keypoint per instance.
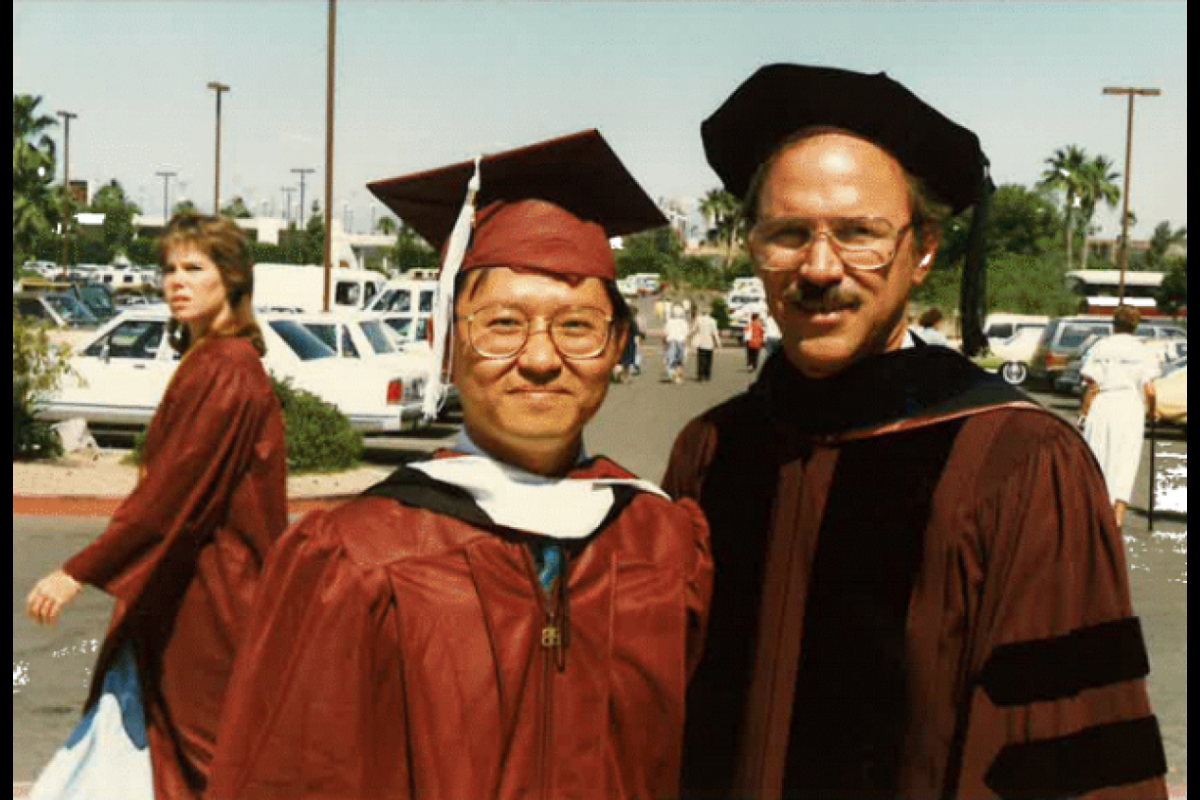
x,y
302,172
331,38
220,89
1130,92
166,176
287,203
66,227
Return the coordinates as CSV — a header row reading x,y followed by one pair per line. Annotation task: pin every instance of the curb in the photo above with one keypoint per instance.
x,y
106,506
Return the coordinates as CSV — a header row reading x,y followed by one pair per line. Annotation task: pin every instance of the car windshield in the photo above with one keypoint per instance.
x,y
394,300
301,342
380,342
71,309
98,300
1073,336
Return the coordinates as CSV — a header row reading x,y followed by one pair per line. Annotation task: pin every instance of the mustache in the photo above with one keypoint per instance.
x,y
822,299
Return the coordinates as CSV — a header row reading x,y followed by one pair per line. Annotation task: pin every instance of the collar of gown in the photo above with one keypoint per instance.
x,y
561,508
912,384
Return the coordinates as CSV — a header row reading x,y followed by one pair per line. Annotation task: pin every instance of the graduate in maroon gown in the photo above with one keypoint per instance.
x,y
514,617
183,552
920,590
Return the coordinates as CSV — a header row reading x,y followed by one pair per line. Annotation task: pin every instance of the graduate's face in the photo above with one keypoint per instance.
x,y
530,408
194,289
832,314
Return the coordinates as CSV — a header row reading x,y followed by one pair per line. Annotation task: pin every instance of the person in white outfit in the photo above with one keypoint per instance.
x,y
706,338
675,333
1118,371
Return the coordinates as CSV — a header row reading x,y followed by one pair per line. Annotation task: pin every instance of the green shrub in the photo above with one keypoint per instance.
x,y
38,368
719,310
319,437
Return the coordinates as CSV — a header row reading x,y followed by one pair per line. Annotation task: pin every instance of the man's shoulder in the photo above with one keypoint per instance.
x,y
378,531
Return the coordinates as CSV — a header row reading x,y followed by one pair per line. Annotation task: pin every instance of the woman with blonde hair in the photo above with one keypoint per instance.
x,y
182,554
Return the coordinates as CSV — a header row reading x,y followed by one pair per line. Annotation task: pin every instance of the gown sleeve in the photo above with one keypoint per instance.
x,y
1057,703
314,708
199,446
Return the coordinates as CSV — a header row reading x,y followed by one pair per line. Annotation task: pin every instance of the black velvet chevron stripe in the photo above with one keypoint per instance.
x,y
1116,754
1051,669
850,719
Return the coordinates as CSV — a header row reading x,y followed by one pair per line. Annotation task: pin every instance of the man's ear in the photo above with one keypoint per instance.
x,y
931,239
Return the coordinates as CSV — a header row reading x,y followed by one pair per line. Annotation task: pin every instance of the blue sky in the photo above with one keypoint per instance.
x,y
422,84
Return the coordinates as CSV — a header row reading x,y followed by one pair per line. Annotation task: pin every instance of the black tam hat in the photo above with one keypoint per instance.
x,y
780,100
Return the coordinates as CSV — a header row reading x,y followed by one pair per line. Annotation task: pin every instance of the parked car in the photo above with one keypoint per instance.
x,y
1016,353
1061,340
1001,327
120,374
1170,353
56,309
1171,390
366,335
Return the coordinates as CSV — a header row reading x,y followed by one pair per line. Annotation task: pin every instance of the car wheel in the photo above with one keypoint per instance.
x,y
1014,372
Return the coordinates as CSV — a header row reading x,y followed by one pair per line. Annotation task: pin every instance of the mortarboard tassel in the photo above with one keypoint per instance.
x,y
443,327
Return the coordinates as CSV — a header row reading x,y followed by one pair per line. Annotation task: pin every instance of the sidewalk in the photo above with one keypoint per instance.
x,y
82,486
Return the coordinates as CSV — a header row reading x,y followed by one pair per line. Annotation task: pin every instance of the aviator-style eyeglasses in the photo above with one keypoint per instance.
x,y
501,331
784,243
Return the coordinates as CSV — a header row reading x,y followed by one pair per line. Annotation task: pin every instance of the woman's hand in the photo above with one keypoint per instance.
x,y
50,596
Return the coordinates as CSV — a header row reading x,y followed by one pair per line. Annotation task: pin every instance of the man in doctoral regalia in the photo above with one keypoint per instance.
x,y
920,589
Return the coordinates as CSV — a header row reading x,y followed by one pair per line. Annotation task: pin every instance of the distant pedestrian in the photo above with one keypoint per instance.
x,y
675,335
631,354
182,553
1118,371
706,338
927,330
755,338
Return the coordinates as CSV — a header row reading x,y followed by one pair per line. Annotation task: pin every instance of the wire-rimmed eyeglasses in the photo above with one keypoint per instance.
x,y
501,331
782,244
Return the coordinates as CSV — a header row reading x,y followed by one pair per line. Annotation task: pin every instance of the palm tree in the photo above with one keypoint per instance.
x,y
723,212
386,226
34,211
1099,184
1065,171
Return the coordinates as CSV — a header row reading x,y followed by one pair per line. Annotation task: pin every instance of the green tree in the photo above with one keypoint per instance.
x,y
117,232
410,250
1099,185
1066,171
656,251
34,164
724,214
1172,294
1162,242
236,209
387,226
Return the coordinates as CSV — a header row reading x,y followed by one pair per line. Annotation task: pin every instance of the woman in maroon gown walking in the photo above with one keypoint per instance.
x,y
182,554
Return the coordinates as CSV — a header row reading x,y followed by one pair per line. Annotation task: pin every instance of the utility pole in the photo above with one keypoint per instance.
x,y
166,176
1129,92
66,226
220,89
331,38
302,172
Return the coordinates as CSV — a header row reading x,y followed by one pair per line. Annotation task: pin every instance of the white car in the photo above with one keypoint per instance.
x,y
119,376
367,335
1015,353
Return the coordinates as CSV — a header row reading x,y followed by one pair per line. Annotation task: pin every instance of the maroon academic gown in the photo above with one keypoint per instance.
x,y
183,552
403,648
920,592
